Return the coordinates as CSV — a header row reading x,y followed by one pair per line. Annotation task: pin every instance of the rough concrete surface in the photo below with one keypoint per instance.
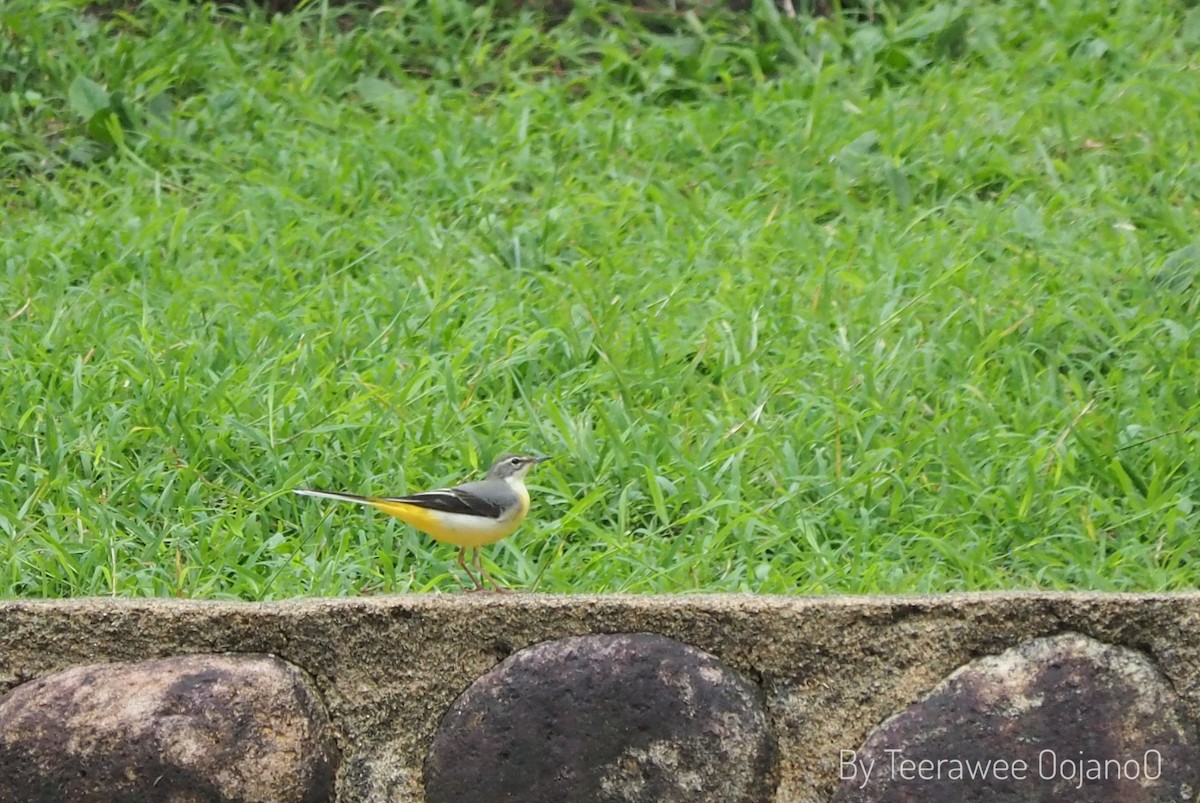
x,y
604,719
831,669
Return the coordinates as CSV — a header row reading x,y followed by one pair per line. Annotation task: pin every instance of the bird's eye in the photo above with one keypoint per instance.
x,y
516,461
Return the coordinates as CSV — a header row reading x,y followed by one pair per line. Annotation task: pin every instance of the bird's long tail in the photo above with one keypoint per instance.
x,y
362,500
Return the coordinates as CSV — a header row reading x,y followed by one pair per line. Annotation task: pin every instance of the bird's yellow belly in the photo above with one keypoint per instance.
x,y
452,528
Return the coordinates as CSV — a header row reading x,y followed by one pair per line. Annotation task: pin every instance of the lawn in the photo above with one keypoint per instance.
x,y
908,303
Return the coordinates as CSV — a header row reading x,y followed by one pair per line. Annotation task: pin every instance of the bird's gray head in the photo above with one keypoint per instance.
x,y
513,465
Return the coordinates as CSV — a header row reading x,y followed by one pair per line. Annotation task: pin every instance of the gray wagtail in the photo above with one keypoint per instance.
x,y
469,515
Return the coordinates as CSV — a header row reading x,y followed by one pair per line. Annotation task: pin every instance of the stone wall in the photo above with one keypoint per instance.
x,y
1013,697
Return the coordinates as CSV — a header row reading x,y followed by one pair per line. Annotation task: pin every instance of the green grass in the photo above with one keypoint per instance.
x,y
906,304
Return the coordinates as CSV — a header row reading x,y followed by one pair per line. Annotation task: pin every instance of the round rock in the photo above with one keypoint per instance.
x,y
1062,718
190,729
603,718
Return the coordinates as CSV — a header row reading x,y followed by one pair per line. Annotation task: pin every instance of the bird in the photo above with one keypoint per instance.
x,y
468,516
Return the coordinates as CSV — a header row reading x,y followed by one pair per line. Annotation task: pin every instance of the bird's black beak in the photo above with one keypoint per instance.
x,y
541,459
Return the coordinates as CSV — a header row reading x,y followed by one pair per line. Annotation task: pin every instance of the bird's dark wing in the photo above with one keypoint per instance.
x,y
461,499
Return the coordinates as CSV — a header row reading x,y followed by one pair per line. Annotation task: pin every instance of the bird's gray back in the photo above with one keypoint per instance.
x,y
492,492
